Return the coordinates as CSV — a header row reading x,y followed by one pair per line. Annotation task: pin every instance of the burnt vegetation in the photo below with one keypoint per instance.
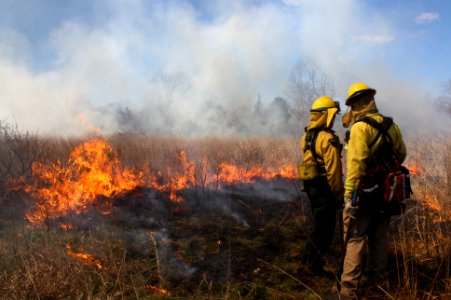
x,y
224,241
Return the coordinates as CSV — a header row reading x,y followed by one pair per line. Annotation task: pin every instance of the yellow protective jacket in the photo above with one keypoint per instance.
x,y
358,154
328,151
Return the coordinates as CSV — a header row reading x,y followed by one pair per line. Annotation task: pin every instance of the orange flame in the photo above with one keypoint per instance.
x,y
231,174
440,214
156,289
94,170
93,129
414,169
87,259
66,226
432,202
177,180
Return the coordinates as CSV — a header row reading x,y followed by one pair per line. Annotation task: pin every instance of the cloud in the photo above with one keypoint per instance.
x,y
427,17
378,39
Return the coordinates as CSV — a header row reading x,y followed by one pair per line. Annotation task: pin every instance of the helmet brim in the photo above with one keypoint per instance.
x,y
359,94
325,108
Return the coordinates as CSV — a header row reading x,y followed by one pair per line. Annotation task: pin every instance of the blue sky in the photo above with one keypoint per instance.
x,y
79,57
419,36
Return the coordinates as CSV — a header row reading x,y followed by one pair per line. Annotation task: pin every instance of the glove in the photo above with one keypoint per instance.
x,y
350,210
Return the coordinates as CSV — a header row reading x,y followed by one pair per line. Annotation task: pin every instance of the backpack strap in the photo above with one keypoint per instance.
x,y
381,127
383,155
310,142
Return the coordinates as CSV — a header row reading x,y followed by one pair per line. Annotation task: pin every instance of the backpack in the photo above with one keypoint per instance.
x,y
383,170
313,169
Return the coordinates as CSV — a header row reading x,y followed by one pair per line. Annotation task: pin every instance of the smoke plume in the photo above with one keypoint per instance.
x,y
178,68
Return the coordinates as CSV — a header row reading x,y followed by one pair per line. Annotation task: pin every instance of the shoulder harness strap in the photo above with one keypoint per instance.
x,y
310,140
381,127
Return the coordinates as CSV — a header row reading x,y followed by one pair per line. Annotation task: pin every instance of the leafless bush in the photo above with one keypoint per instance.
x,y
17,151
306,83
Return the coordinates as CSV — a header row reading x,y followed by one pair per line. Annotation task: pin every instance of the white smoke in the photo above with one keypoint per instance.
x,y
346,41
172,68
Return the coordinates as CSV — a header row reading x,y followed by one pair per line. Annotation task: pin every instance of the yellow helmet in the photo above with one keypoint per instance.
x,y
359,89
328,108
324,103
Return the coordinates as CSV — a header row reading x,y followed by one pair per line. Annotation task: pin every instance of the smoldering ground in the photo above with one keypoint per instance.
x,y
150,226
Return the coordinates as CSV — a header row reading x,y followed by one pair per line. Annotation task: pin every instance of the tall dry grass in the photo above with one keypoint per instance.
x,y
35,265
422,237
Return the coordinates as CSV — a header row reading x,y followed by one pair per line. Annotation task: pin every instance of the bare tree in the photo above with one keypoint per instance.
x,y
306,83
171,83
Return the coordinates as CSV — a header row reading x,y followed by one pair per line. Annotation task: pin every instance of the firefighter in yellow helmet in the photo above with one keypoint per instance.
x,y
365,220
321,173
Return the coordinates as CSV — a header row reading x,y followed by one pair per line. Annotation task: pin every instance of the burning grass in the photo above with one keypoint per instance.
x,y
171,218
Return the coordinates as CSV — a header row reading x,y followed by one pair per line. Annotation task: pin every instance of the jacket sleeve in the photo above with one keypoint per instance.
x,y
358,153
302,144
331,153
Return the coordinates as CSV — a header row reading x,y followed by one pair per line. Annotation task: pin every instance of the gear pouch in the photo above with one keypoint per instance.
x,y
308,170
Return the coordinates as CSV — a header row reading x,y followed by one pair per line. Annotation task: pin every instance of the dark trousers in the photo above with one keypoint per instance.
x,y
323,204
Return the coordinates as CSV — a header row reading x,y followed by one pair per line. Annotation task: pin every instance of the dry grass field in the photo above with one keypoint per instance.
x,y
204,218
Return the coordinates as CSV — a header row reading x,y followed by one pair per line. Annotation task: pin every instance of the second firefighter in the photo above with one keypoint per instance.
x,y
321,172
